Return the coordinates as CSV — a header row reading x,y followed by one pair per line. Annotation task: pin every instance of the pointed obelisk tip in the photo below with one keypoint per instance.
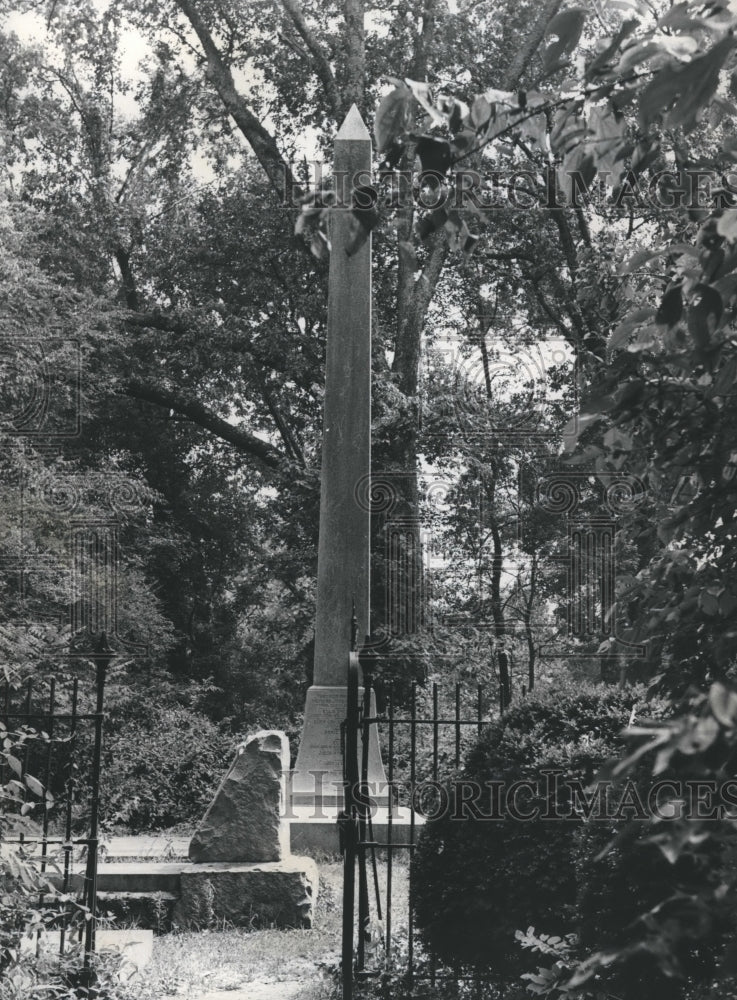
x,y
353,126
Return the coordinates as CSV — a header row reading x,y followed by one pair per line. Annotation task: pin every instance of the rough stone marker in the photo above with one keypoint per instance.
x,y
242,869
245,820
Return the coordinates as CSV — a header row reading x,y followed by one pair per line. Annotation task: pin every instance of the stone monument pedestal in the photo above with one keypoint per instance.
x,y
317,779
280,893
319,835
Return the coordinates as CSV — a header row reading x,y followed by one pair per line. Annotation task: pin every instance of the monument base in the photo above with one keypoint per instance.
x,y
317,779
280,893
316,835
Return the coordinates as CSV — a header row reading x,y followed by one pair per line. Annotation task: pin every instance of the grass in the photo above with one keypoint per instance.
x,y
186,964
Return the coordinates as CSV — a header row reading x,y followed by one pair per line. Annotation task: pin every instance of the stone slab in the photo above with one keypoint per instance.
x,y
245,820
280,894
318,772
130,876
157,847
135,945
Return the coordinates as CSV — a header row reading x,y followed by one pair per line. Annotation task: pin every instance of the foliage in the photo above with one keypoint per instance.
x,y
162,764
477,880
629,127
44,976
682,929
30,904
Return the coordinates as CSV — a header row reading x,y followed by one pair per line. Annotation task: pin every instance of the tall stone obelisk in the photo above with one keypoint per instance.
x,y
344,545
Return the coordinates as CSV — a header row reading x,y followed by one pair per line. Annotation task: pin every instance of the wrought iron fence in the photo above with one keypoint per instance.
x,y
424,743
50,768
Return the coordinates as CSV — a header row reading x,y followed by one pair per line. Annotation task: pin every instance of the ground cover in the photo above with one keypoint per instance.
x,y
240,964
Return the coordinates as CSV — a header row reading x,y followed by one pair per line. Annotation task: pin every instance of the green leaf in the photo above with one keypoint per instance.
x,y
725,378
609,49
671,307
421,93
727,604
567,25
34,784
709,603
723,704
575,427
621,334
683,91
607,141
393,116
644,256
727,224
704,314
14,764
481,111
434,154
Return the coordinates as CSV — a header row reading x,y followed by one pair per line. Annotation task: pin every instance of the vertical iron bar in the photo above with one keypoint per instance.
x,y
363,899
479,706
435,731
27,720
349,844
26,750
366,660
101,657
389,827
6,713
412,777
69,786
435,741
458,725
46,785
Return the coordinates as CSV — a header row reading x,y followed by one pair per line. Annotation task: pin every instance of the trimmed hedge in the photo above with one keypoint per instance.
x,y
477,881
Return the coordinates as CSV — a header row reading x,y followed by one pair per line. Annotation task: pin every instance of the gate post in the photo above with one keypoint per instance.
x,y
348,819
102,655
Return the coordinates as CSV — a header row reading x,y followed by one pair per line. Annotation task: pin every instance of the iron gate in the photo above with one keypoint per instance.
x,y
433,742
48,728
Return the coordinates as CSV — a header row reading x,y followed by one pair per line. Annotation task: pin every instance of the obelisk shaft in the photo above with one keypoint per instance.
x,y
344,545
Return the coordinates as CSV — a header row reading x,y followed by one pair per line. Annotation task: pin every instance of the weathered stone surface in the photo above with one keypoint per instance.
x,y
246,819
281,894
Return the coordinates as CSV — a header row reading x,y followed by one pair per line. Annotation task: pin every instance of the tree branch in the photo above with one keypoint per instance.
x,y
424,38
155,321
199,414
261,141
412,311
529,46
323,68
130,290
355,40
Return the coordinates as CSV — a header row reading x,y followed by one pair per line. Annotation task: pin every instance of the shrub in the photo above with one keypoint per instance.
x,y
475,882
619,887
162,767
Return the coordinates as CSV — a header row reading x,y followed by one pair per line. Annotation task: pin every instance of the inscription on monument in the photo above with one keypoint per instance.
x,y
328,714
